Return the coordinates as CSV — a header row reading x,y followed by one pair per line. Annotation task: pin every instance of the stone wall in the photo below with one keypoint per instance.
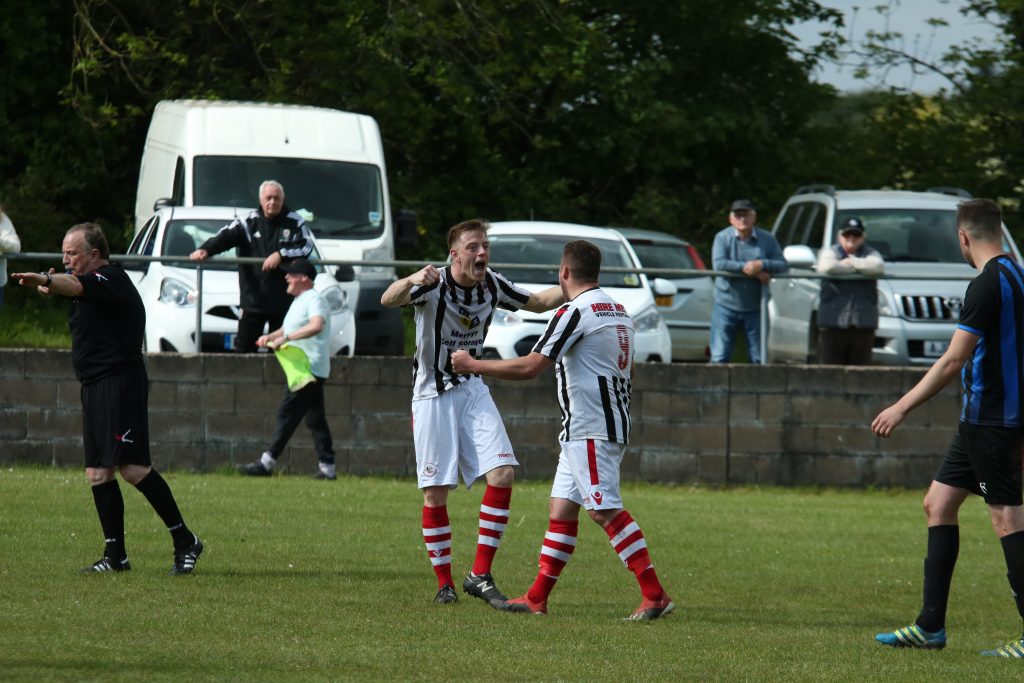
x,y
731,424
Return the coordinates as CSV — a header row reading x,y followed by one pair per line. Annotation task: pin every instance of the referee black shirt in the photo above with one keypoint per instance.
x,y
107,323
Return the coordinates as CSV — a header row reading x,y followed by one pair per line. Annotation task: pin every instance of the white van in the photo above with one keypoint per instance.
x,y
331,164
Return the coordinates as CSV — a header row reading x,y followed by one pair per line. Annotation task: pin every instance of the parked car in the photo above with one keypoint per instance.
x,y
688,313
514,333
168,290
916,235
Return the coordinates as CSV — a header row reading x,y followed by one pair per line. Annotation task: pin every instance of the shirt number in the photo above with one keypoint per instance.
x,y
623,334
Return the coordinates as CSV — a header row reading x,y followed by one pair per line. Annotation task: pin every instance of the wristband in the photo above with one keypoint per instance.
x,y
285,337
48,279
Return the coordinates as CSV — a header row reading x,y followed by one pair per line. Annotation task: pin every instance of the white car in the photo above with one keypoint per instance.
x,y
168,290
514,333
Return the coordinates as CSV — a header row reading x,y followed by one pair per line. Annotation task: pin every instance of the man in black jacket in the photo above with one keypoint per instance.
x,y
276,234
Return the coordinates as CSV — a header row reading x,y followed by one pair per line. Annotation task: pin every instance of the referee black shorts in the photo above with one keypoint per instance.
x,y
115,419
986,461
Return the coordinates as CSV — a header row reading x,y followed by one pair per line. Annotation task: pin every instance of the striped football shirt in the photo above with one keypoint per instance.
x,y
591,341
450,317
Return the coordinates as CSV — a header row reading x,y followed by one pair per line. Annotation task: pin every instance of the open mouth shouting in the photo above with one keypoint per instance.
x,y
479,268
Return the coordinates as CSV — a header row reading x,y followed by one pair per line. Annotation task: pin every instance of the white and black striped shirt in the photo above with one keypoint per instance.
x,y
591,341
450,317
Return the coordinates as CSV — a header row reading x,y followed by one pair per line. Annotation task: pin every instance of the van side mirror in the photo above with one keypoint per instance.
x,y
162,202
345,273
405,229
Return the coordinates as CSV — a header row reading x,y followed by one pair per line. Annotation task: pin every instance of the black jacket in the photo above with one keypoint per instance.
x,y
256,235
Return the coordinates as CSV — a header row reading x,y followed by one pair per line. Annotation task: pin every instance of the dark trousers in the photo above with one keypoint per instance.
x,y
851,346
307,402
250,327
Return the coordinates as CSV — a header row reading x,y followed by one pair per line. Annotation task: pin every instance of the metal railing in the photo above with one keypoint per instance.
x,y
673,273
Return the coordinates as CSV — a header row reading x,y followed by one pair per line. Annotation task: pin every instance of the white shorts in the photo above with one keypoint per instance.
x,y
459,431
588,474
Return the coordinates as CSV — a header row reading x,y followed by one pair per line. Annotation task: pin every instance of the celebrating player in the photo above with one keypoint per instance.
x,y
590,340
984,458
456,426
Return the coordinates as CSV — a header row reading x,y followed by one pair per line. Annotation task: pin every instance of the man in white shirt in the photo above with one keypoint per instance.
x,y
307,325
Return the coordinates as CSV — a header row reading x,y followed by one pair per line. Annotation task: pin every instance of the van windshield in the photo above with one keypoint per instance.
x,y
539,250
338,200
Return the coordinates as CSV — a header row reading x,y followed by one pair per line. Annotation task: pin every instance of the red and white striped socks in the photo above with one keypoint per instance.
x,y
437,535
493,519
559,543
628,541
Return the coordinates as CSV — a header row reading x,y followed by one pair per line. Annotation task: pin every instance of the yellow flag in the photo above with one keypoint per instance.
x,y
295,364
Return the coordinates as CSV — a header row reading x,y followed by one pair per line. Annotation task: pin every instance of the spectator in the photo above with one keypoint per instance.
x,y
275,234
848,312
307,325
747,249
9,244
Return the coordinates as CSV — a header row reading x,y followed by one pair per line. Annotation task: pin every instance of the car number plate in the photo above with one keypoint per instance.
x,y
229,342
934,349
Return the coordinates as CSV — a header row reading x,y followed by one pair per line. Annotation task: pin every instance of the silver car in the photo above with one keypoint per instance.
x,y
920,297
688,313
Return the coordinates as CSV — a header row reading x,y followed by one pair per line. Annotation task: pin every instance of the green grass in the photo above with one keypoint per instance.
x,y
28,320
307,581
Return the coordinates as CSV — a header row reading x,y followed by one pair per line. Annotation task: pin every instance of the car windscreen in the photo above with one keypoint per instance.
x,y
922,235
338,200
547,249
657,255
183,236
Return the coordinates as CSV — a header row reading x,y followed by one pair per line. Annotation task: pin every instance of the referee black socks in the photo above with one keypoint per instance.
x,y
159,495
110,507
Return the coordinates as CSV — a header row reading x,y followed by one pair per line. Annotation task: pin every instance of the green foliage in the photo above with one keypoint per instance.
x,y
328,581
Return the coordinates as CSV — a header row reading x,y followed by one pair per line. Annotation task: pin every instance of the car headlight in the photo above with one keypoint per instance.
x,y
381,253
503,317
337,299
177,293
647,320
885,306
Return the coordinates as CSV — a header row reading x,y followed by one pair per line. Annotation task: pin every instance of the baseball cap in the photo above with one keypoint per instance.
x,y
300,266
852,225
743,205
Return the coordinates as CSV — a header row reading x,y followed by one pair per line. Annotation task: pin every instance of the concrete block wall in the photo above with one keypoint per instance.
x,y
730,424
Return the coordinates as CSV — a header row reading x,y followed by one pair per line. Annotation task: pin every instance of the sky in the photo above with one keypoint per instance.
x,y
908,17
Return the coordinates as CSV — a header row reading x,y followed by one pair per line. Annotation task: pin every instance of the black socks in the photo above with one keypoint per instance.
x,y
943,548
159,495
110,507
1013,551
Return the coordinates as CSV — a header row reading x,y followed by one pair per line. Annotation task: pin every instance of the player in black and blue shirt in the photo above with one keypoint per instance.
x,y
987,349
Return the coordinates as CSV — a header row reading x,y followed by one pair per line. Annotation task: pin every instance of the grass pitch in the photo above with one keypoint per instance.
x,y
327,581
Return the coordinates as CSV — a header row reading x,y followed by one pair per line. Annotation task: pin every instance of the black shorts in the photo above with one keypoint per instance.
x,y
115,420
986,461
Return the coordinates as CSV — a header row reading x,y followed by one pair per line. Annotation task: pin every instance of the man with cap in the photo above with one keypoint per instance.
x,y
307,325
848,308
746,249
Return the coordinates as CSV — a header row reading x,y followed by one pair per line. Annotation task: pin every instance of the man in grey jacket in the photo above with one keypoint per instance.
x,y
848,311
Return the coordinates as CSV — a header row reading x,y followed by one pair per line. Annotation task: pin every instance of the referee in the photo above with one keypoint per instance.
x,y
107,322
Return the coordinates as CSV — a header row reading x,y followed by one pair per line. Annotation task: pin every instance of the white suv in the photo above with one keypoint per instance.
x,y
540,243
916,234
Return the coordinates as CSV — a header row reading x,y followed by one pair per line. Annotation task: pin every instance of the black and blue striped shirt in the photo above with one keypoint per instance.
x,y
992,377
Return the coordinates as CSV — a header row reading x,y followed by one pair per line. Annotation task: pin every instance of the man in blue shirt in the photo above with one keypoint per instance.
x,y
307,325
987,350
742,248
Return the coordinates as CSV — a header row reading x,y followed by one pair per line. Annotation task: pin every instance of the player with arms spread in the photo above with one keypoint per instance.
x,y
987,349
456,426
590,341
